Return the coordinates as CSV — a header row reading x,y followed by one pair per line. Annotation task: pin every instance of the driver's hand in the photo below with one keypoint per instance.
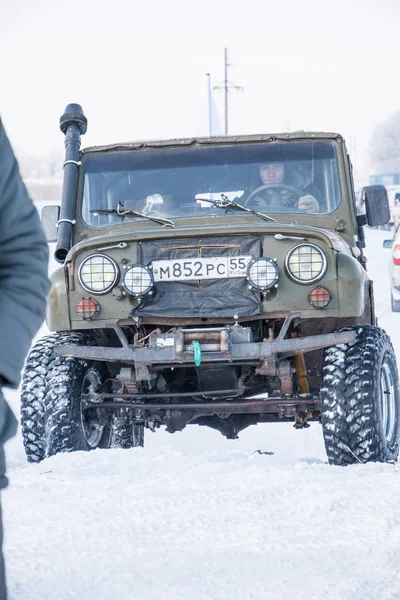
x,y
309,204
259,202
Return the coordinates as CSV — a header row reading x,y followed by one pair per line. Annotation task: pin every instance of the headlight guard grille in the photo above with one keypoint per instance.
x,y
98,274
306,264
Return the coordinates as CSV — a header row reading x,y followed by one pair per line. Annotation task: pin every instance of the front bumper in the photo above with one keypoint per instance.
x,y
170,349
227,345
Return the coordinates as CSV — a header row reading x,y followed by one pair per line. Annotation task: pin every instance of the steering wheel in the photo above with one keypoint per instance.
x,y
272,186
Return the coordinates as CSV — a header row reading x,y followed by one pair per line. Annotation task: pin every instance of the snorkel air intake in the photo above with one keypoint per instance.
x,y
73,124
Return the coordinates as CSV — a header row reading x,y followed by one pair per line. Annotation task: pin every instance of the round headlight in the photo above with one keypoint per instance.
x,y
138,280
98,274
262,273
306,263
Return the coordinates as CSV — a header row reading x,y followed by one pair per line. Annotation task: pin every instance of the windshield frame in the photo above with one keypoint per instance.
x,y
169,150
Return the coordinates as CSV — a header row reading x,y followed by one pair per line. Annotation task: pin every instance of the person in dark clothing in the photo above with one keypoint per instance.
x,y
281,186
24,286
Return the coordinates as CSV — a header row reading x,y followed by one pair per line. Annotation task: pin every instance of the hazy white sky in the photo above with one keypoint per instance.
x,y
139,68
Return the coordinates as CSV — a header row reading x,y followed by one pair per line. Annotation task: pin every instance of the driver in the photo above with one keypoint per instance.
x,y
281,192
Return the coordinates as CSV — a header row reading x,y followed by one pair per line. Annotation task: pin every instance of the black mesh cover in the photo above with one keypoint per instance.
x,y
200,298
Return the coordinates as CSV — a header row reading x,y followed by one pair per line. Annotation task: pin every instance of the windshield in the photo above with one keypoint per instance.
x,y
274,178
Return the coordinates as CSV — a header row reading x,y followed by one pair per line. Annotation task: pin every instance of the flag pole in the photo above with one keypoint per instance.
x,y
209,105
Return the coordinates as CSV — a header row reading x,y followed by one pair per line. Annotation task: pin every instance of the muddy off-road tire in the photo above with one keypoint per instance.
x,y
33,390
52,417
68,427
360,399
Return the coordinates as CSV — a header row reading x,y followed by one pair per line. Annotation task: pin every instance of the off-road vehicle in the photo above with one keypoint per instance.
x,y
193,291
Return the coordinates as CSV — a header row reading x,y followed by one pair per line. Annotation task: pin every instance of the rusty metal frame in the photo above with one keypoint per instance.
x,y
283,408
258,351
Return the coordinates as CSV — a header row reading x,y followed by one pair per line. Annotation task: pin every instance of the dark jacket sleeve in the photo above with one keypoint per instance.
x,y
24,283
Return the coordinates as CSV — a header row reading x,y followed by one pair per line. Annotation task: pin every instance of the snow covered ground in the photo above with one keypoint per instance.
x,y
194,516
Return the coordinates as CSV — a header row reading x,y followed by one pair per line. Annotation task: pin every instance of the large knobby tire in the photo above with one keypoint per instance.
x,y
52,418
68,426
360,399
33,390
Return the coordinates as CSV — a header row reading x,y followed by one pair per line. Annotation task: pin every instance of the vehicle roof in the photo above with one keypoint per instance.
x,y
214,140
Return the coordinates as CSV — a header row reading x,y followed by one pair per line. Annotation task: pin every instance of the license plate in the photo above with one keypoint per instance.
x,y
214,267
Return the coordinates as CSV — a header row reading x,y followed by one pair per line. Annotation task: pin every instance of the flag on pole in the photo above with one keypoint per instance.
x,y
214,126
208,123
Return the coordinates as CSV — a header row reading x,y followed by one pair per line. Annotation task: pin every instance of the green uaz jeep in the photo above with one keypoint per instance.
x,y
214,281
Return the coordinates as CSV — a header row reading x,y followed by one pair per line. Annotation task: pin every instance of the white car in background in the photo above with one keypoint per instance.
x,y
394,268
394,204
395,209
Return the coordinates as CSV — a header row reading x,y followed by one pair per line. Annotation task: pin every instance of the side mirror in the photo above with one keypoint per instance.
x,y
388,243
376,205
49,218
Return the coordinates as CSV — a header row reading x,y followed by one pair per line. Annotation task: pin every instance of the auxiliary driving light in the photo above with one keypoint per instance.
x,y
263,273
98,274
306,263
138,280
87,308
319,297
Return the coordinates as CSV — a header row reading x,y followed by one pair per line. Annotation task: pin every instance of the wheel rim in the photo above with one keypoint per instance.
x,y
388,401
92,419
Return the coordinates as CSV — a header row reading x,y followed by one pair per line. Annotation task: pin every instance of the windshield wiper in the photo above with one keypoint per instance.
x,y
120,211
225,202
